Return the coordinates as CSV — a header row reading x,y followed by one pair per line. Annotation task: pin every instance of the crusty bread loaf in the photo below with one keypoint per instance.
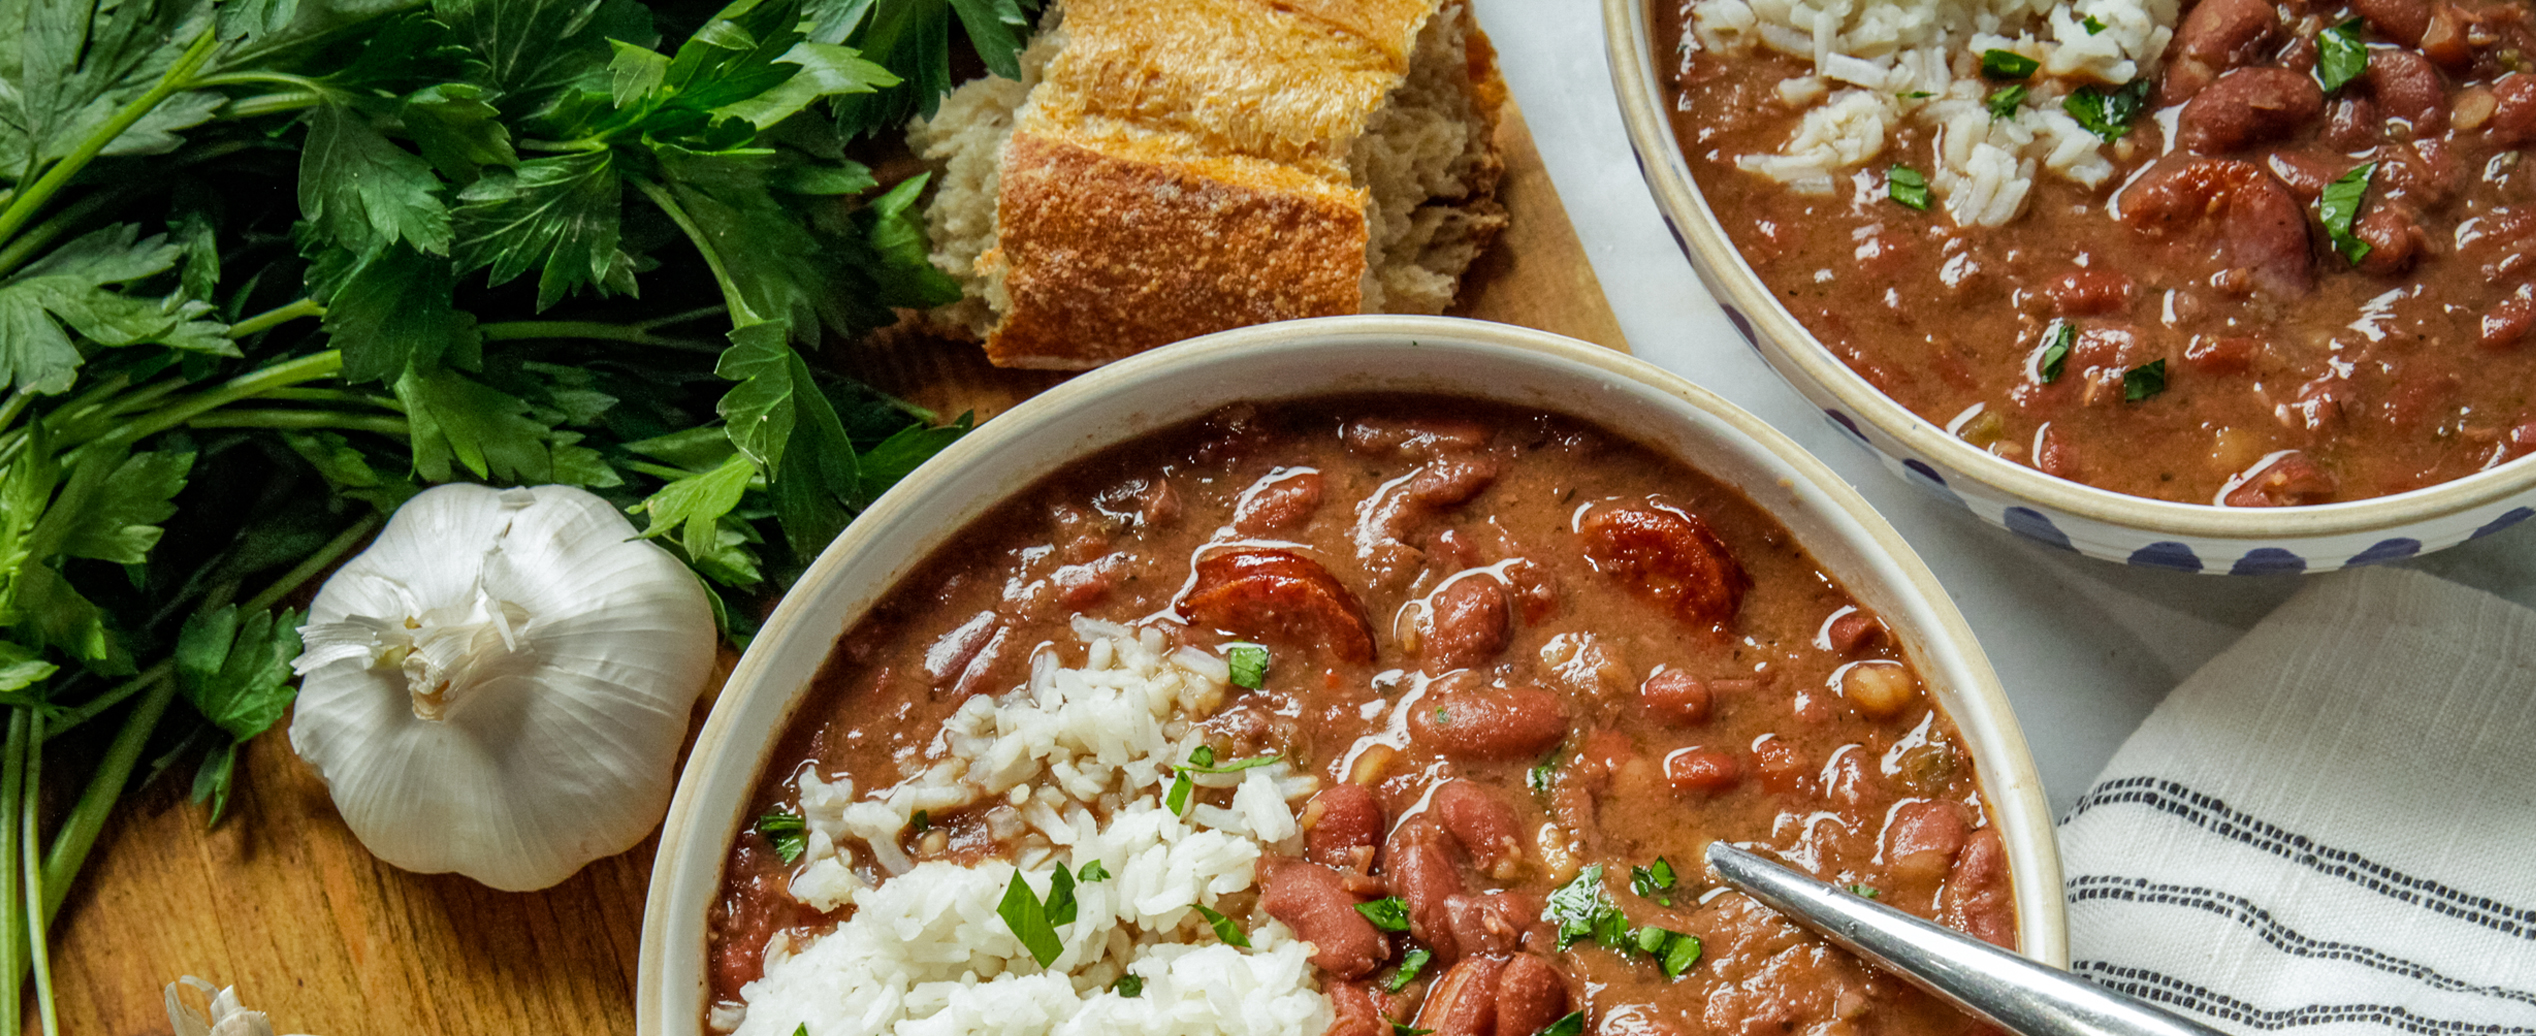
x,y
1164,170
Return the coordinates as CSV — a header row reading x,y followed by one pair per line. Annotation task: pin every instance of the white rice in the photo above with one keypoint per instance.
x,y
1075,766
1873,59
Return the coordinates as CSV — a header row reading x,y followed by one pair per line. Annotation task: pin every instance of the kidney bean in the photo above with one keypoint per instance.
x,y
1676,697
2521,440
2243,215
1384,521
1531,993
1418,870
2248,106
2407,88
1704,771
1536,589
2085,291
1480,723
2506,324
1280,597
1467,623
1356,1013
2446,41
2417,397
2054,456
2210,354
1493,922
1483,824
2305,175
1282,500
2352,125
1670,558
2216,35
2513,121
1464,1001
2400,20
1921,840
2290,481
1349,827
1638,1020
2395,241
1781,766
1855,631
1314,901
1419,437
1977,898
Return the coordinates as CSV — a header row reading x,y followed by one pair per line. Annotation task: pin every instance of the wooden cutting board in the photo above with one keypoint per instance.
x,y
282,902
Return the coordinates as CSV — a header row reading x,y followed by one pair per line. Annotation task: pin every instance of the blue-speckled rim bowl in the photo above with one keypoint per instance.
x,y
2096,522
1308,358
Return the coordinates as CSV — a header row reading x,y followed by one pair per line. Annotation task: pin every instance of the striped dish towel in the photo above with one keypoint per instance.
x,y
2331,828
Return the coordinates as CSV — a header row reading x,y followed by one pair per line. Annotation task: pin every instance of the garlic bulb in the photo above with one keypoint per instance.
x,y
499,685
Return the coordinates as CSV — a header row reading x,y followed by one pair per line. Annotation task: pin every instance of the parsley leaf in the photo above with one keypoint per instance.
x,y
1411,963
1387,913
78,285
2340,55
1202,760
2093,26
1653,881
2108,114
1868,891
1225,929
1129,986
1905,184
2055,355
1177,799
1680,952
2003,104
1583,908
487,430
560,214
1093,871
787,832
1541,777
2143,381
2339,209
391,312
21,669
908,37
1060,904
1028,919
238,675
1570,1024
697,506
1249,663
2007,64
364,192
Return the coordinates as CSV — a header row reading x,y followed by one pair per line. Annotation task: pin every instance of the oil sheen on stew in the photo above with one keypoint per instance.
x,y
1512,647
2291,373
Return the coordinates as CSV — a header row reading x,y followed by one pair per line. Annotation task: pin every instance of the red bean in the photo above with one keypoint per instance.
x,y
1280,597
2400,20
2407,88
1481,723
1704,771
2507,323
1438,486
1493,922
2352,124
1467,625
1483,824
1349,827
1416,437
2305,175
1417,869
1675,696
2513,121
1670,558
2234,212
2216,355
2216,35
1977,898
1314,901
1283,500
1464,1001
1921,840
2445,40
1535,588
2290,481
1781,766
1531,993
2086,291
1357,1014
2054,456
1853,632
2395,241
2248,106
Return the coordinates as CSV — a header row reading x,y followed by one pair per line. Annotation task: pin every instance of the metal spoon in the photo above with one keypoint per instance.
x,y
2009,991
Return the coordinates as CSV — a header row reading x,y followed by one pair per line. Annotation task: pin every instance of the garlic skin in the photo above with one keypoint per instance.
x,y
499,685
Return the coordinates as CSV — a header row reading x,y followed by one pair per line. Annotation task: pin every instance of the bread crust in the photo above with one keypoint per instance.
x,y
1154,250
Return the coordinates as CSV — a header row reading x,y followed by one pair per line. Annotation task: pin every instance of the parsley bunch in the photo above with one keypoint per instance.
x,y
269,267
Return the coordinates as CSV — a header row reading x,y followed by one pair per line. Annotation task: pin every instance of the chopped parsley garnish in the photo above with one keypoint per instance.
x,y
1225,929
1679,953
1653,881
2093,26
802,1029
1540,778
1571,1025
1023,912
1249,663
787,832
1060,904
1405,1029
1177,800
2003,104
1868,891
1905,184
1387,913
2056,343
2108,113
2007,64
1918,95
1093,871
1411,963
921,821
2339,207
2143,381
1203,761
2340,56
1583,909
1128,986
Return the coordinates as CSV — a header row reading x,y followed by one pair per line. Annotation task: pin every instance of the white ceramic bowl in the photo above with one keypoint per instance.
x,y
2096,522
1281,361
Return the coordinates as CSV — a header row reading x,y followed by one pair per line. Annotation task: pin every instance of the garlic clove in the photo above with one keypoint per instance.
x,y
499,687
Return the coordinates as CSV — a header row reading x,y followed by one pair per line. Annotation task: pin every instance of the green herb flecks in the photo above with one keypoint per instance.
x,y
1202,760
2340,55
1917,95
1653,881
1060,905
2339,208
786,832
2143,381
1544,775
1583,909
1387,913
2007,65
1572,1024
1411,963
2003,104
1249,663
1680,951
920,822
1225,930
1128,986
1177,799
1905,184
2108,113
1027,916
1406,1029
2093,26
1093,871
2055,355
1868,891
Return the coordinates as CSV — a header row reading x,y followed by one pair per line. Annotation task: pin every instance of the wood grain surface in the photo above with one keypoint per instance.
x,y
283,902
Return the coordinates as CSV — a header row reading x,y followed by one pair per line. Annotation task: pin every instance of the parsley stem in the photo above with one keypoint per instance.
x,y
87,818
590,330
244,386
325,395
325,557
19,400
334,420
262,105
275,78
24,206
698,313
112,697
13,931
275,317
741,315
54,226
29,834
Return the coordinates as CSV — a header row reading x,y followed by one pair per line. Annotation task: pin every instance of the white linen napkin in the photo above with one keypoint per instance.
x,y
2331,828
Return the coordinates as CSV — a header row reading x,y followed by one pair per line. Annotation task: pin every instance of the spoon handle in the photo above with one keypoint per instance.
x,y
2012,992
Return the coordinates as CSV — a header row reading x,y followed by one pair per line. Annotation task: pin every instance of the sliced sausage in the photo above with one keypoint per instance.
x,y
1314,901
1670,558
2249,106
1348,829
1488,723
1280,597
1483,823
1466,623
